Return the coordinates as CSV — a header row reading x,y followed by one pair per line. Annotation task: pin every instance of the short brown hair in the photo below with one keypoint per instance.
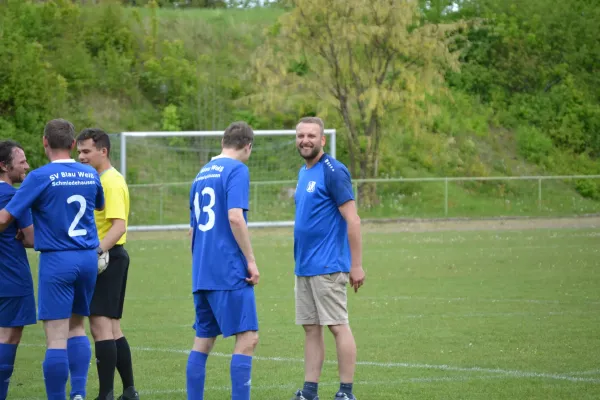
x,y
98,136
313,120
237,135
60,134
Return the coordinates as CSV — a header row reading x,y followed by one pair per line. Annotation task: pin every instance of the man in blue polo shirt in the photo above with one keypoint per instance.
x,y
17,302
62,196
328,256
224,269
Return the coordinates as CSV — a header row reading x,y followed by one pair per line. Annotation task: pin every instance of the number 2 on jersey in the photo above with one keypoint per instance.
x,y
82,204
210,192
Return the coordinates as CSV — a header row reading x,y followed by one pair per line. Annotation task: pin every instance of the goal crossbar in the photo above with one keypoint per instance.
x,y
280,132
331,133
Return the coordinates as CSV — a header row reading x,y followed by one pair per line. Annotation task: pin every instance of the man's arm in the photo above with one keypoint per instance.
x,y
339,185
21,202
242,237
191,228
350,214
117,229
238,188
100,199
5,219
26,235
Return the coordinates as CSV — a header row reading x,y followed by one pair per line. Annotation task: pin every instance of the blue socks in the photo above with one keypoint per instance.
x,y
195,375
80,353
346,388
240,371
310,390
8,353
56,368
56,373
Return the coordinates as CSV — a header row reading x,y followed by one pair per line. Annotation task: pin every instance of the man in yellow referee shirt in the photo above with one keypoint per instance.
x,y
106,308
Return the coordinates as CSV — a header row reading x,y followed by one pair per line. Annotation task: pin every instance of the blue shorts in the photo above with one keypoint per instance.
x,y
66,283
226,312
17,311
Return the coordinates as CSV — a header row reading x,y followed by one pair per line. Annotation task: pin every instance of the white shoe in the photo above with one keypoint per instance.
x,y
78,397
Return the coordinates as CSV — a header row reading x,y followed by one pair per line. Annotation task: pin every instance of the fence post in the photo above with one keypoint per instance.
x,y
446,196
539,194
123,156
160,209
255,205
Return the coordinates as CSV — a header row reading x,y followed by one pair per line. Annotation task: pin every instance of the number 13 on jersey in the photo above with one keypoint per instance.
x,y
210,192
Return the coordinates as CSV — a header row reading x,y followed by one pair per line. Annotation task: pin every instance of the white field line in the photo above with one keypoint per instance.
x,y
591,372
515,373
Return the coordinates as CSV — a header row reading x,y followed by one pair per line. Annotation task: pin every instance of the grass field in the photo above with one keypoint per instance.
x,y
454,314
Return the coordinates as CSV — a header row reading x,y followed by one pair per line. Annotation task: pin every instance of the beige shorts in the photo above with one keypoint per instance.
x,y
322,299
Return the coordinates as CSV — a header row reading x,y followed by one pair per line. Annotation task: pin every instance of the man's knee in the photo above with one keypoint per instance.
x,y
246,342
340,329
204,345
101,328
57,333
11,335
313,330
116,329
76,325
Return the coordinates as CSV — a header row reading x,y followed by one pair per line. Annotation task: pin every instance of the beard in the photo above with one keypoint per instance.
x,y
14,176
309,155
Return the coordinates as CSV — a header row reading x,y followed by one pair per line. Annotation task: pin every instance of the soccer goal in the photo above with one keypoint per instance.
x,y
160,166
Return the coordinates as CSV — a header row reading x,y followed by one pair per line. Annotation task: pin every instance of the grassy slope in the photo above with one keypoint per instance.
x,y
494,152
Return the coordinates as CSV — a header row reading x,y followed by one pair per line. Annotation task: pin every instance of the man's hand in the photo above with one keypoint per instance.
x,y
253,272
357,277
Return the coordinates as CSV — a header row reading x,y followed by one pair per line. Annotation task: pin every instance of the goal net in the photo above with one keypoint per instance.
x,y
160,166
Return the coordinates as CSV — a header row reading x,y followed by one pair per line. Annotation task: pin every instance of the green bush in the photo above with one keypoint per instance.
x,y
588,188
533,145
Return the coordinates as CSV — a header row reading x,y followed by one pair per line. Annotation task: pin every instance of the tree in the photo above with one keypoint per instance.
x,y
364,59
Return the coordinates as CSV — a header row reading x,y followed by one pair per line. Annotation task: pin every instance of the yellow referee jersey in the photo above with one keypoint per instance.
x,y
116,203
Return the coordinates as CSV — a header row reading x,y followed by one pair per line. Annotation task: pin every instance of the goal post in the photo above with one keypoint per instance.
x,y
159,168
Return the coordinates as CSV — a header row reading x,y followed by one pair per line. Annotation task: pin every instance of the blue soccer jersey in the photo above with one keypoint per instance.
x,y
320,232
15,274
217,260
62,196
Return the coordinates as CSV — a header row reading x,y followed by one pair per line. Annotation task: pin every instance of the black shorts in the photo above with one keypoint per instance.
x,y
109,294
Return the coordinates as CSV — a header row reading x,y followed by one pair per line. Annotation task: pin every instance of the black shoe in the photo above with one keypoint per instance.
x,y
109,396
129,394
300,396
344,396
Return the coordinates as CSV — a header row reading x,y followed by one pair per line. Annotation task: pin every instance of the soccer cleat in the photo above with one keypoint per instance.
x,y
78,397
299,396
344,396
129,394
109,396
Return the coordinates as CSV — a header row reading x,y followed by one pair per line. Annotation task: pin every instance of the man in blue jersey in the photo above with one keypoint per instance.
x,y
62,196
224,270
17,302
328,256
